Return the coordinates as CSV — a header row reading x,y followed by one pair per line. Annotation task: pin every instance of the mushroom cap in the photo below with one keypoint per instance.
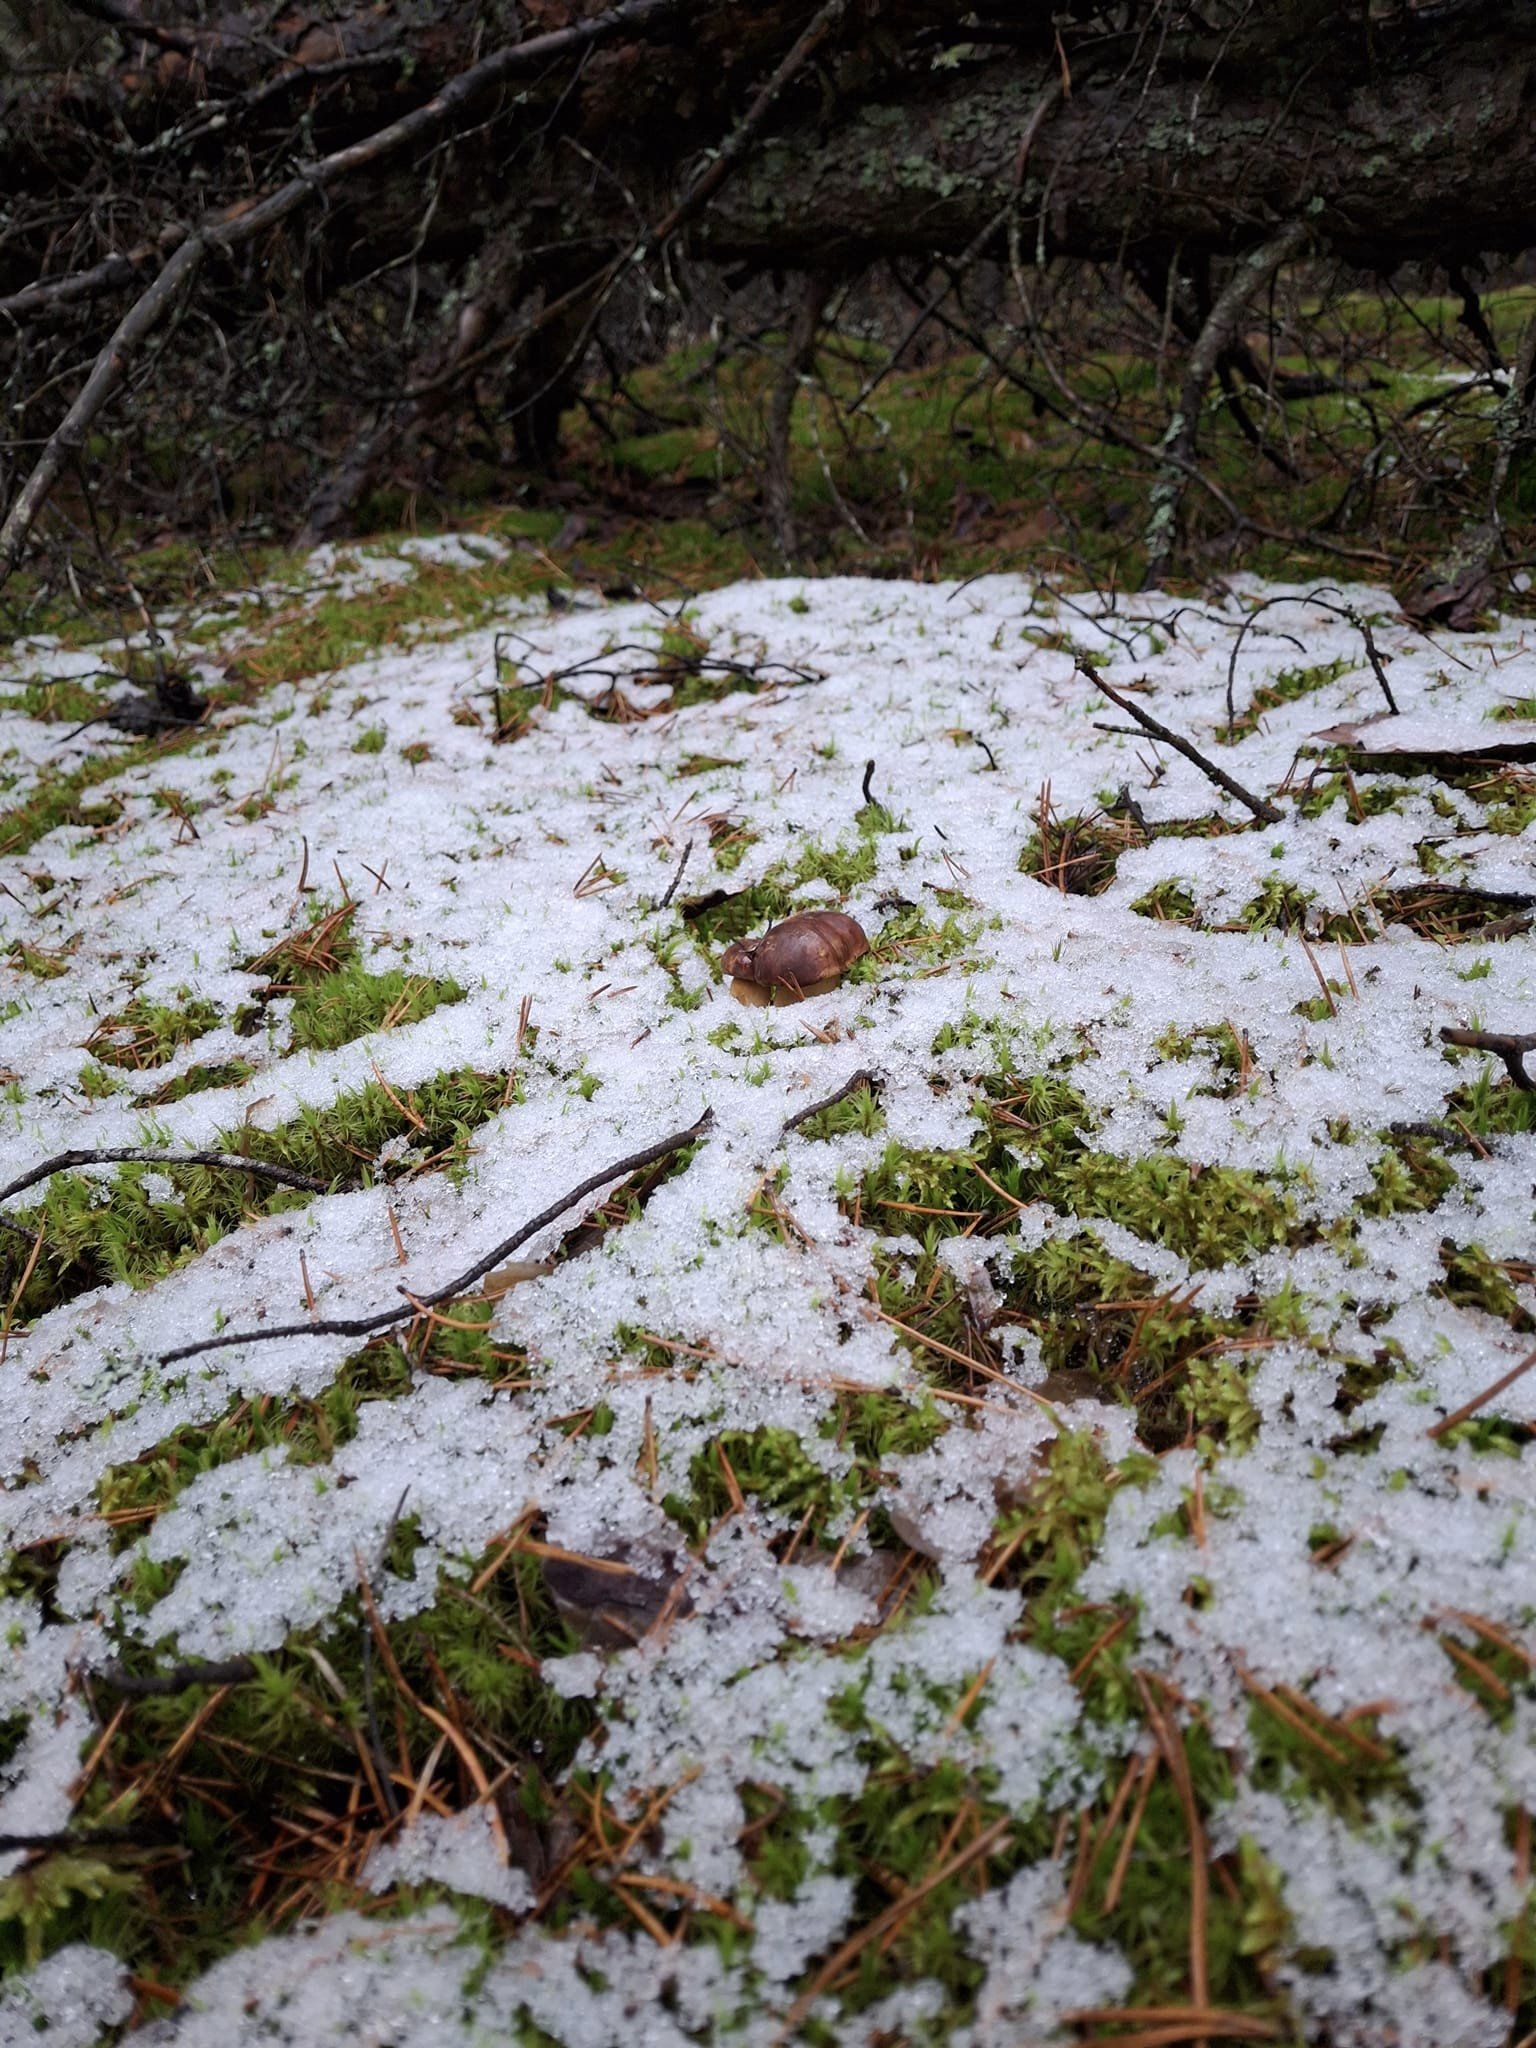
x,y
814,945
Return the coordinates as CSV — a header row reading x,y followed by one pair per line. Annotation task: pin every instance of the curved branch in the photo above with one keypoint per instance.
x,y
238,225
367,1326
1215,338
140,1155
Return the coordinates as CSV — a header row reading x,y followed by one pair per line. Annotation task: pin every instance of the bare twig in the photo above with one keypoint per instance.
x,y
672,885
245,221
1334,604
386,1319
1510,1046
227,1671
1481,1400
864,1078
1260,806
139,1155
1215,337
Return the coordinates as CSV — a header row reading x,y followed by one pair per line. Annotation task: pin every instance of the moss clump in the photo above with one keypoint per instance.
x,y
296,1771
1168,901
1287,687
229,1074
349,1003
1211,1215
1279,906
1475,1280
138,1225
143,1034
858,1114
1228,1051
334,997
789,1488
1408,1176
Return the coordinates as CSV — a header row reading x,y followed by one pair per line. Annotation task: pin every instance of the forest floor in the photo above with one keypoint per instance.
x,y
1007,1522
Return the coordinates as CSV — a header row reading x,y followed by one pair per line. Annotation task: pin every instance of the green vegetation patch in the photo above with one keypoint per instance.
x,y
857,1115
1287,687
335,999
142,1221
228,1074
253,1804
1409,1175
789,1488
144,1034
1101,1322
132,1495
349,1003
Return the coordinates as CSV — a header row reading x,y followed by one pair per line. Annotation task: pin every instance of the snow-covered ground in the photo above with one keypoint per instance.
x,y
475,861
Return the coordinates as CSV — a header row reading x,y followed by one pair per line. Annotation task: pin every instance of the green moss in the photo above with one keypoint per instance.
x,y
297,1756
230,1074
1094,1314
789,1488
1211,1215
143,1034
58,796
1229,1056
857,1114
1279,906
349,1003
1408,1176
145,1226
309,1432
1492,1106
1473,1279
1168,901
1287,687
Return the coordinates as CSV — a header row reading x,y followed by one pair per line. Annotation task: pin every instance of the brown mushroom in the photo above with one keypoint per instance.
x,y
805,951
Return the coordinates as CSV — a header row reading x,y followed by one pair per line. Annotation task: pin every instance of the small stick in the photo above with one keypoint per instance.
x,y
233,1162
672,885
1333,1008
230,1671
1481,1400
364,1326
862,1079
1511,1048
869,769
1260,806
70,1838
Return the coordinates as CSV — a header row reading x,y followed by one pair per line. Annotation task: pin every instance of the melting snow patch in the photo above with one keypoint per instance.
x,y
821,1441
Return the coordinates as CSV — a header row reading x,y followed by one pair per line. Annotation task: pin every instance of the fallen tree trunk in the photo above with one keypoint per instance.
x,y
1146,137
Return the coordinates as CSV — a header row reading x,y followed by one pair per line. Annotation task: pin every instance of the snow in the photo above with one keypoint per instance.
x,y
476,852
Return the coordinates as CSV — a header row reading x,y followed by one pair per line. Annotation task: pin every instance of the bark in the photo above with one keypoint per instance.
x,y
1213,341
1430,157
788,136
799,356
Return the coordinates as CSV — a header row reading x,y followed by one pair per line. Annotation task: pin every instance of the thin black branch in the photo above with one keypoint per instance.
x,y
1509,1046
863,1078
672,885
1340,610
1260,806
386,1319
242,223
228,1671
139,1155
